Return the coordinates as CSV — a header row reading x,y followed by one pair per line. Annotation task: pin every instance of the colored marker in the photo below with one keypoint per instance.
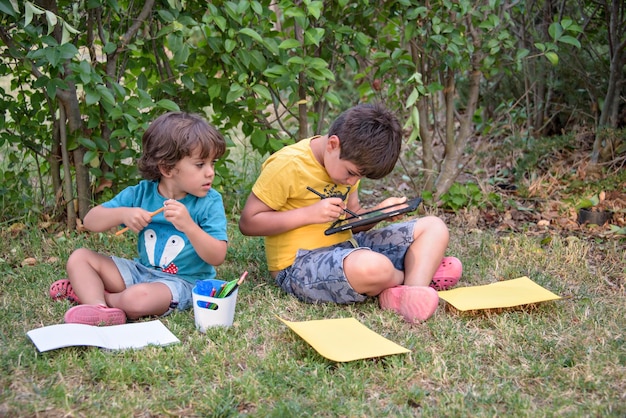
x,y
212,306
231,286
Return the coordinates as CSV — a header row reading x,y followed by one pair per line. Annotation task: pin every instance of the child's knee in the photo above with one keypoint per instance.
x,y
432,226
78,256
368,264
144,299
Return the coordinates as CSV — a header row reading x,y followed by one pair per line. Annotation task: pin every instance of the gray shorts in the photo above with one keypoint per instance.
x,y
134,273
317,276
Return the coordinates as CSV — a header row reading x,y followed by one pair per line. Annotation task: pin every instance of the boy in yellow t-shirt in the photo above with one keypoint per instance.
x,y
403,263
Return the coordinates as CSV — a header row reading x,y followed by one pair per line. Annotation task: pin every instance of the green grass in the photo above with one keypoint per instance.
x,y
560,358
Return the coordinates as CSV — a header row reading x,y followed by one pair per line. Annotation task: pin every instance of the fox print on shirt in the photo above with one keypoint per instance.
x,y
165,247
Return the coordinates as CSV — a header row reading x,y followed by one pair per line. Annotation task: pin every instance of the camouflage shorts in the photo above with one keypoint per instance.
x,y
317,276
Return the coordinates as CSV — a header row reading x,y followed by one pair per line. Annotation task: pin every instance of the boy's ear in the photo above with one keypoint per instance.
x,y
164,171
333,143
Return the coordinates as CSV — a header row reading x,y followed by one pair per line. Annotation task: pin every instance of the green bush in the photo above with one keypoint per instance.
x,y
469,195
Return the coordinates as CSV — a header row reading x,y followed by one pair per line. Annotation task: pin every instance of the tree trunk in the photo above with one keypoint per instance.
x,y
303,131
453,161
69,100
428,153
617,51
70,211
425,134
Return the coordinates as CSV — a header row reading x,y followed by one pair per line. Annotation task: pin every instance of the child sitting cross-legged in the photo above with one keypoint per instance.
x,y
177,245
402,264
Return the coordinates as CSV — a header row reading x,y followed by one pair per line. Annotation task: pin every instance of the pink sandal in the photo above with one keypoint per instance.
x,y
448,274
62,289
95,315
414,303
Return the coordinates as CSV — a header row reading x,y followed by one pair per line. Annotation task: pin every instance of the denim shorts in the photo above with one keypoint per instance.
x,y
317,276
134,273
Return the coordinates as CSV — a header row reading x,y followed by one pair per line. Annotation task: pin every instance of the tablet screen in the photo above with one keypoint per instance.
x,y
374,216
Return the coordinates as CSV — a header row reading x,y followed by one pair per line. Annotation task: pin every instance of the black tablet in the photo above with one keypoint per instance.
x,y
374,216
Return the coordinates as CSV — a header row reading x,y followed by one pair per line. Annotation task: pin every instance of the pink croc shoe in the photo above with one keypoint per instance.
x,y
95,315
448,274
62,289
414,303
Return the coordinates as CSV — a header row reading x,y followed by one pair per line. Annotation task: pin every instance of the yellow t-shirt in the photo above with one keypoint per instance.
x,y
282,185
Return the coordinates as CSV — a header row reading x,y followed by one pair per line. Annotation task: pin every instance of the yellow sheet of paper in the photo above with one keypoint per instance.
x,y
503,294
344,339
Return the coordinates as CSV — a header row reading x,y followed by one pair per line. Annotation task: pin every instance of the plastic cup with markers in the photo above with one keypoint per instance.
x,y
214,302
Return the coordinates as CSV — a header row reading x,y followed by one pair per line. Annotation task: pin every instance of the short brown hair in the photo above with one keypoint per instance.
x,y
174,136
370,137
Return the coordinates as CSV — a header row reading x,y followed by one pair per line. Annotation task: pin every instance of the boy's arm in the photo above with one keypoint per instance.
x,y
208,248
100,218
258,219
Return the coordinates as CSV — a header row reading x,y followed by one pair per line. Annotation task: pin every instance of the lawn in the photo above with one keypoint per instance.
x,y
558,358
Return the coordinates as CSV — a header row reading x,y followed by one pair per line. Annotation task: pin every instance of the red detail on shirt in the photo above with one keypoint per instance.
x,y
172,269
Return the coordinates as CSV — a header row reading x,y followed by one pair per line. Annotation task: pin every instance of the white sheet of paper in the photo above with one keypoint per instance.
x,y
115,337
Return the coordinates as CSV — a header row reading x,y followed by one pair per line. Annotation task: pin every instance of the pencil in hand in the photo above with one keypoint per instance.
x,y
159,210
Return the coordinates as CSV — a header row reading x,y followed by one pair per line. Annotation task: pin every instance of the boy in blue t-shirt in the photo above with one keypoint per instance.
x,y
177,245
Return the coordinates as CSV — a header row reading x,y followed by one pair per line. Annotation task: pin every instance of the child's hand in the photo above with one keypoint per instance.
x,y
178,215
326,210
136,219
393,201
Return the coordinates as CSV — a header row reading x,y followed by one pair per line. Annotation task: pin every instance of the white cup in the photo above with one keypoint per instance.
x,y
213,312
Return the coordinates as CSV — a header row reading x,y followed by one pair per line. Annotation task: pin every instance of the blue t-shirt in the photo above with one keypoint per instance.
x,y
160,245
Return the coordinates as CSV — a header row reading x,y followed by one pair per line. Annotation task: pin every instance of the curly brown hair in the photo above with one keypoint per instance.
x,y
176,135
